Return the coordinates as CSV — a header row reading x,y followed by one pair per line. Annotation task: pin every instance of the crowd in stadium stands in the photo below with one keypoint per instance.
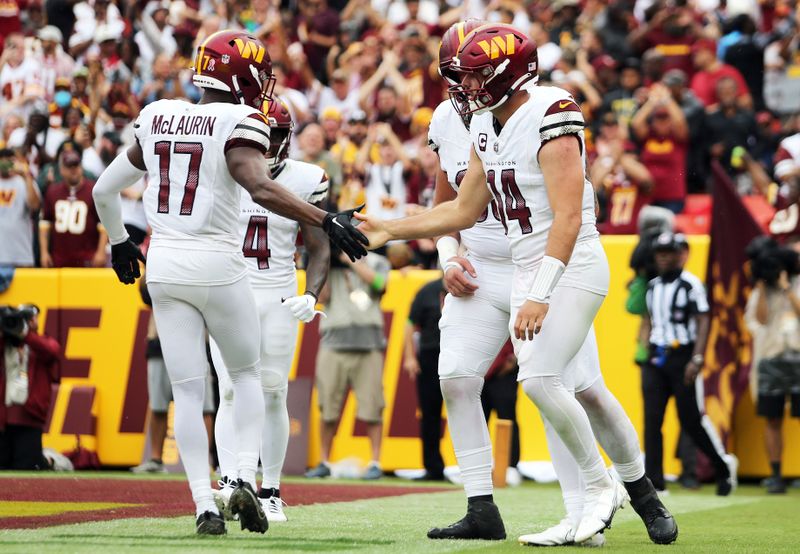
x,y
666,87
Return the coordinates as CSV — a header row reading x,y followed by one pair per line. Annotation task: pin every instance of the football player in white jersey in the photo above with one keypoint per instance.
x,y
269,247
197,156
481,301
529,151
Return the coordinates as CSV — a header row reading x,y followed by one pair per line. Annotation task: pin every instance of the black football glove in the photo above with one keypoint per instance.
x,y
344,234
125,258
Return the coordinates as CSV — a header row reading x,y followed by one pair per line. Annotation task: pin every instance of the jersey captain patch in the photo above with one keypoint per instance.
x,y
563,117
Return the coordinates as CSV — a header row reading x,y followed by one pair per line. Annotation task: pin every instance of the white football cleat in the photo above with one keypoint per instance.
x,y
273,507
557,535
561,534
222,497
599,509
733,466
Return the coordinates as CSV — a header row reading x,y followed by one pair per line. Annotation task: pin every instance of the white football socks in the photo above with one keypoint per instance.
x,y
569,420
248,419
468,431
568,474
225,433
192,439
274,438
614,430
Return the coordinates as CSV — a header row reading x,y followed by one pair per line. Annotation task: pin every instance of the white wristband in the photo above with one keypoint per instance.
x,y
447,247
546,279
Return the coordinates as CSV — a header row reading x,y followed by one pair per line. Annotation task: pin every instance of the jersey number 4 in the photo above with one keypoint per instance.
x,y
164,149
511,200
256,241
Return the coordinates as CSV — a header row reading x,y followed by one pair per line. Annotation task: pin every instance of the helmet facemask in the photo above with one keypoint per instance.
x,y
476,100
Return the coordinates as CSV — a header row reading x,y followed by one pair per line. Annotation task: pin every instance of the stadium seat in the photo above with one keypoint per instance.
x,y
697,204
761,209
693,224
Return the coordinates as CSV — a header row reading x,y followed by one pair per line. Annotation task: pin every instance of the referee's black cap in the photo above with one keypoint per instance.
x,y
670,241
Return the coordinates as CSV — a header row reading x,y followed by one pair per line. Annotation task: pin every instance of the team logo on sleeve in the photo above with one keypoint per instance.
x,y
482,140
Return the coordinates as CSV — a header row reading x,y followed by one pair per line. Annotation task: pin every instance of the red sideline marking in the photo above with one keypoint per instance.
x,y
159,498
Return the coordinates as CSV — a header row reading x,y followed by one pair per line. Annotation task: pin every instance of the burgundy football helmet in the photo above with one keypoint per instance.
x,y
448,48
280,129
501,59
235,62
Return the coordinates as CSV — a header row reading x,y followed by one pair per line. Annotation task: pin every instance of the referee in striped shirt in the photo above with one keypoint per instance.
x,y
678,327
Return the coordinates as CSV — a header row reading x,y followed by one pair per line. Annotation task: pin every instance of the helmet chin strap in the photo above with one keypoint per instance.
x,y
237,92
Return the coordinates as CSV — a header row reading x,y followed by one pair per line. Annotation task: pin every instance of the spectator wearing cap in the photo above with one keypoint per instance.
x,y
694,112
623,184
331,121
20,75
63,101
677,324
420,123
19,202
729,125
55,63
155,34
70,233
710,71
80,85
119,107
621,101
338,95
345,151
422,83
38,141
663,134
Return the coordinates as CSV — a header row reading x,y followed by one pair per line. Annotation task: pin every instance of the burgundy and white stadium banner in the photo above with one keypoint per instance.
x,y
729,353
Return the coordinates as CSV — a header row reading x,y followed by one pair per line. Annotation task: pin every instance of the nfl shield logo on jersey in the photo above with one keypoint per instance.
x,y
496,147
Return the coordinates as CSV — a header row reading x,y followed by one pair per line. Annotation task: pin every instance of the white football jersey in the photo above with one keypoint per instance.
x,y
514,177
191,201
450,139
268,239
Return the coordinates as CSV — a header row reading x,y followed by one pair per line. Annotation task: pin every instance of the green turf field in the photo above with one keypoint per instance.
x,y
748,521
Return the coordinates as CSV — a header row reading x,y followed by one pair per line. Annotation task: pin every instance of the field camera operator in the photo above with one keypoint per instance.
x,y
28,368
773,317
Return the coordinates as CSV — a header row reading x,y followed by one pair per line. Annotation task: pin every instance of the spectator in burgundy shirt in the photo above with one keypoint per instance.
x,y
317,30
28,369
661,129
671,31
621,181
710,71
70,233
